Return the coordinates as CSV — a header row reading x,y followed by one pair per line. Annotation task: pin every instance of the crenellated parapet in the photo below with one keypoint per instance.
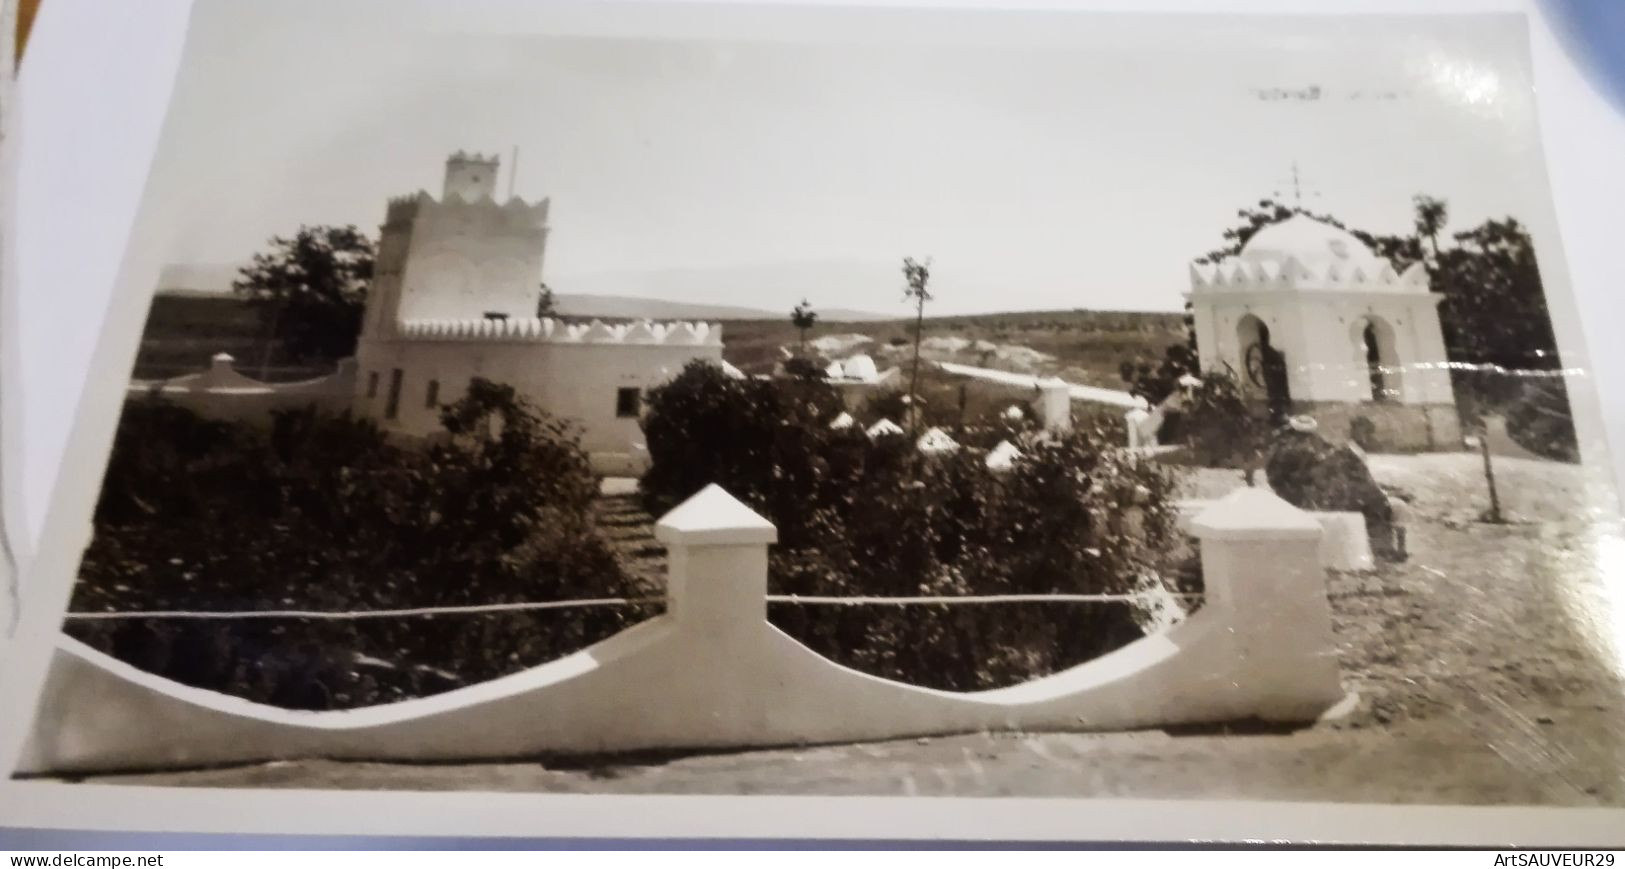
x,y
1238,274
550,330
422,206
473,157
1306,253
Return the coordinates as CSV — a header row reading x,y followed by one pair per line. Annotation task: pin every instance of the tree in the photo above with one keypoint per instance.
x,y
918,276
498,437
310,291
1494,309
545,305
1222,429
1431,216
1253,219
803,317
1495,320
773,430
323,511
1155,384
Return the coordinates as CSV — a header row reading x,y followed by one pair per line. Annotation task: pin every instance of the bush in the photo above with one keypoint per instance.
x,y
1155,381
322,512
1541,421
1309,472
759,439
857,517
1222,429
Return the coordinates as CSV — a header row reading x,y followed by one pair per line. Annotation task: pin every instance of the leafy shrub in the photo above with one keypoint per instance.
x,y
857,517
1310,472
323,512
1155,381
1222,429
1541,421
759,439
1535,405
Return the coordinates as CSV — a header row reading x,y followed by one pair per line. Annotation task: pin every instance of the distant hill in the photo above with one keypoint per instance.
x,y
1081,346
628,307
196,279
189,324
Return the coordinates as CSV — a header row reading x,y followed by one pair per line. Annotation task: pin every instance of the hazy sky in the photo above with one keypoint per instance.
x,y
1042,161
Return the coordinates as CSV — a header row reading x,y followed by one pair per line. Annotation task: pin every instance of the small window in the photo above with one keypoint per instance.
x,y
432,398
627,401
372,384
392,407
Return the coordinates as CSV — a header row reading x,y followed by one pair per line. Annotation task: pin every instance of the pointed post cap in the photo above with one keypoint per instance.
x,y
1254,513
712,517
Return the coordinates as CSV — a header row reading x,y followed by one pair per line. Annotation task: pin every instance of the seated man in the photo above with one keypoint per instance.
x,y
1310,472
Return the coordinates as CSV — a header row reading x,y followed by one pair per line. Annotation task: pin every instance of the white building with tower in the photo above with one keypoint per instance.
x,y
454,296
1312,321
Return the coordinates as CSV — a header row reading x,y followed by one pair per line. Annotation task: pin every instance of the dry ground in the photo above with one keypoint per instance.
x,y
1487,671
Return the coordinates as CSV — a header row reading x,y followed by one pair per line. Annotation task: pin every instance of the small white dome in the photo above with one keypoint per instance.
x,y
860,367
1312,242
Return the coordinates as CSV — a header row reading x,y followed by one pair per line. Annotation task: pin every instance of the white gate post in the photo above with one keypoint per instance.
x,y
1055,404
717,574
1134,422
1261,567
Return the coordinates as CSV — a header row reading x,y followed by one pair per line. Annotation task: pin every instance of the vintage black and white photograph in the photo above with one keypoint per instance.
x,y
932,403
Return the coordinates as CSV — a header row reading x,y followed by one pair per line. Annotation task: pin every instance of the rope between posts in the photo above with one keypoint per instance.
x,y
965,598
478,609
475,609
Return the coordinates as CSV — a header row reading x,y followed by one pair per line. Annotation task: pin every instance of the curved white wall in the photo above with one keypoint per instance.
x,y
713,673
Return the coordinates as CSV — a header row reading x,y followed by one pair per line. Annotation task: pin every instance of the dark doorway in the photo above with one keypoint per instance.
x,y
1373,361
1266,366
392,405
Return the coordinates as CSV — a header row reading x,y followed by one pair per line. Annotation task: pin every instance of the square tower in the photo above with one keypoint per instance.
x,y
464,256
470,177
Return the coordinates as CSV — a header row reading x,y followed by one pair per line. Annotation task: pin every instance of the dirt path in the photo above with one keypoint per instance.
x,y
1487,670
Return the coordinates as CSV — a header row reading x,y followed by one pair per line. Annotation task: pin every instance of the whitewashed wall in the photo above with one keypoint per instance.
x,y
713,673
575,379
219,392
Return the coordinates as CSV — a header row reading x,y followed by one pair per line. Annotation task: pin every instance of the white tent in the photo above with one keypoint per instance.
x,y
884,428
936,441
1003,456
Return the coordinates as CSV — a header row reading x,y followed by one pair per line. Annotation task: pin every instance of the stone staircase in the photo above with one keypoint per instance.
x,y
625,524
